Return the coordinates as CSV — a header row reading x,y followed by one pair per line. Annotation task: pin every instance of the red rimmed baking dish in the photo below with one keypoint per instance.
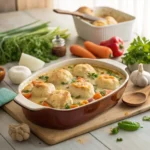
x,y
62,118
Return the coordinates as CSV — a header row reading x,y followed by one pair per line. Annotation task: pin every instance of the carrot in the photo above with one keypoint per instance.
x,y
77,50
44,103
97,50
97,96
27,95
73,106
80,79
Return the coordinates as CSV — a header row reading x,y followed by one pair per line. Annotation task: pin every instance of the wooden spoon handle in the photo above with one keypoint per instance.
x,y
146,90
68,12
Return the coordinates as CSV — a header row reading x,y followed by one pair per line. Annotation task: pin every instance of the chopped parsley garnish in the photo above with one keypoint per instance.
x,y
64,83
103,93
44,78
70,67
67,106
120,79
26,91
110,72
92,75
73,80
146,118
78,96
119,139
113,74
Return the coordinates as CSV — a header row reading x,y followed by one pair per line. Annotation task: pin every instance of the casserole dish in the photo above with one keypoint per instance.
x,y
96,34
62,118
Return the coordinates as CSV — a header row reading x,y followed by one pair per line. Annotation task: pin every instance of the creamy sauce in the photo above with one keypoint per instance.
x,y
65,86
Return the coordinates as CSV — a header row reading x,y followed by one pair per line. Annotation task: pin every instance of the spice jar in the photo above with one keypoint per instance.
x,y
59,47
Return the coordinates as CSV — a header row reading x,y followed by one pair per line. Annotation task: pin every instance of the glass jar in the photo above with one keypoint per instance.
x,y
59,47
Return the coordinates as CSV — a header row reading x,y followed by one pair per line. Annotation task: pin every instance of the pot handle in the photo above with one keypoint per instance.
x,y
21,100
115,62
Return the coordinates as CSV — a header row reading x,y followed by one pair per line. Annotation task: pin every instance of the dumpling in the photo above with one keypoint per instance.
x,y
41,89
59,98
100,23
81,89
107,82
82,70
60,76
110,20
86,10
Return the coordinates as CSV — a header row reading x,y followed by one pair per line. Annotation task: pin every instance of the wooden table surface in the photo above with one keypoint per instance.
x,y
95,140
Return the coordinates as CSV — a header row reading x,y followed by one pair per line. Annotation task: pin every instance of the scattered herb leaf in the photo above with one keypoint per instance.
x,y
119,139
114,130
146,118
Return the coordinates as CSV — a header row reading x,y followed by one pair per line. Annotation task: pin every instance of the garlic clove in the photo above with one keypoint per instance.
x,y
26,136
19,137
19,132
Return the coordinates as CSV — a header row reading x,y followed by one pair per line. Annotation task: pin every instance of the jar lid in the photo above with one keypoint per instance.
x,y
58,41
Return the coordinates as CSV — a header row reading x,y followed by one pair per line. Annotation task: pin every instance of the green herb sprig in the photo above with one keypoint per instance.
x,y
34,39
138,52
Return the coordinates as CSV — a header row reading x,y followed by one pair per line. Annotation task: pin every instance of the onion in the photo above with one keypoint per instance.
x,y
31,62
18,73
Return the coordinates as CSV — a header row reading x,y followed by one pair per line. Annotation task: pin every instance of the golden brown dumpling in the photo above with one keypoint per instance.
x,y
86,10
100,23
81,89
59,99
60,76
110,20
107,82
41,89
82,70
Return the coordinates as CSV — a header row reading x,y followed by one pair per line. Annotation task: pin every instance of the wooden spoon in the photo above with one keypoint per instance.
x,y
84,16
137,98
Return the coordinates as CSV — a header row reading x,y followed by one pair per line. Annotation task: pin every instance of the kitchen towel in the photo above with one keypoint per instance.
x,y
6,96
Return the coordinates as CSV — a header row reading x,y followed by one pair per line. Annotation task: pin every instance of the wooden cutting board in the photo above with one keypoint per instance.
x,y
51,136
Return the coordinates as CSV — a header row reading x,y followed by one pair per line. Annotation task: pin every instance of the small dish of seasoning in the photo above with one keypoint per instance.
x,y
2,73
59,47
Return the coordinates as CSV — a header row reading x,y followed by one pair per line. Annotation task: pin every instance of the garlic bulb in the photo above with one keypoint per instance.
x,y
140,77
19,132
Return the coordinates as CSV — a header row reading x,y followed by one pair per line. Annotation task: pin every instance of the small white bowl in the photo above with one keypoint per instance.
x,y
135,67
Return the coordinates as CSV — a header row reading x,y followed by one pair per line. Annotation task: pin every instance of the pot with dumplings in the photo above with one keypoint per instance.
x,y
66,94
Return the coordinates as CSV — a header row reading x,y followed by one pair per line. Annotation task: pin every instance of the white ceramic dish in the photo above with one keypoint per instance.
x,y
106,63
123,29
58,118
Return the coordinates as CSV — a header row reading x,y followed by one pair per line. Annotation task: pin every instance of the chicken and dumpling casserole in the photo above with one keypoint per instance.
x,y
72,86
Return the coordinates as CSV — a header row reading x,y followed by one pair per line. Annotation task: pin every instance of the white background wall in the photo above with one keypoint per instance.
x,y
139,8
